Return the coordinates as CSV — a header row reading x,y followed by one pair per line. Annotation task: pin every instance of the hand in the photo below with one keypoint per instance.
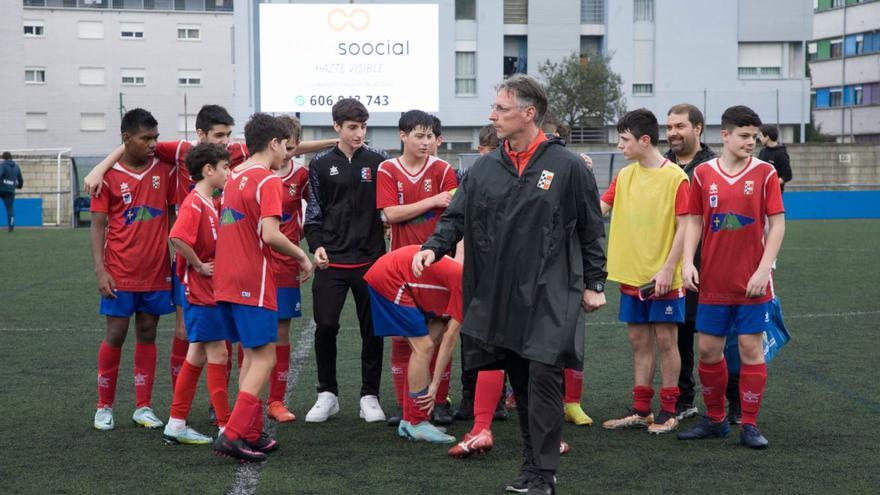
x,y
305,269
587,160
592,300
92,185
663,281
442,200
106,285
426,402
422,260
206,269
691,277
321,258
757,286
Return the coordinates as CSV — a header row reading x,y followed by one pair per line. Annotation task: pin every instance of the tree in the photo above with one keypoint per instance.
x,y
584,91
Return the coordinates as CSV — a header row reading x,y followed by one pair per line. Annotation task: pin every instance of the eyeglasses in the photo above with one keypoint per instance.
x,y
500,109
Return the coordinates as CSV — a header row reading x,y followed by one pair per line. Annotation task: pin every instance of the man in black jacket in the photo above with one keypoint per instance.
x,y
529,215
10,180
775,153
344,230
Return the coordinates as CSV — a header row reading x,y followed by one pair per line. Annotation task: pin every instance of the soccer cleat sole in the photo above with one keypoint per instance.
x,y
148,425
169,440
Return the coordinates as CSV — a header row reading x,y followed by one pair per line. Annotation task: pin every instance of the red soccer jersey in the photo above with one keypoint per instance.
x,y
436,293
175,152
395,186
734,211
295,189
242,270
136,203
196,225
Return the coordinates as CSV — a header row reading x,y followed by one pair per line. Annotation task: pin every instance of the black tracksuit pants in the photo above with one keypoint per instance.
x,y
329,291
8,199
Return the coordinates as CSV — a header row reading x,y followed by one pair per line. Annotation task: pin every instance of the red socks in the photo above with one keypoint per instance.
x,y
642,397
752,380
256,427
490,385
713,380
144,373
668,398
218,388
108,371
400,352
412,412
278,378
574,385
185,390
443,389
243,415
178,356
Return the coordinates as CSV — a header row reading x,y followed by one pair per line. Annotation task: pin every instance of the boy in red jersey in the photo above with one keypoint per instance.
x,y
411,192
194,237
244,285
295,180
731,198
130,253
421,310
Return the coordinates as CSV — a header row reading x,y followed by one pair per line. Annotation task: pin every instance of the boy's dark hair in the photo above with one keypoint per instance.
x,y
204,154
528,92
770,131
550,125
640,122
414,119
137,119
261,129
211,115
436,126
695,116
489,136
349,109
7,155
293,124
739,116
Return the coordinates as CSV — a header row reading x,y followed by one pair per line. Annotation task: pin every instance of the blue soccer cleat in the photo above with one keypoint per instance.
x,y
706,428
423,432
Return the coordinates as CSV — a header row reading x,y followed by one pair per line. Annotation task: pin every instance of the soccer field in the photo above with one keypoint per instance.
x,y
821,409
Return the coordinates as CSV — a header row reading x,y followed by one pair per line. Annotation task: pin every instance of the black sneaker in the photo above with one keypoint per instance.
x,y
685,410
394,419
520,484
540,486
500,411
441,415
734,414
264,444
706,428
237,449
751,437
465,410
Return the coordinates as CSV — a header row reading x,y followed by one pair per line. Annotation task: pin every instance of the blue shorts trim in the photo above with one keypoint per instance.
x,y
391,319
634,310
289,303
178,290
128,303
733,319
253,326
203,323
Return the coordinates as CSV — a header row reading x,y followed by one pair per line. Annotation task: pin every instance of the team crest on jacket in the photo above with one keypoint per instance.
x,y
427,185
366,174
546,180
749,188
156,182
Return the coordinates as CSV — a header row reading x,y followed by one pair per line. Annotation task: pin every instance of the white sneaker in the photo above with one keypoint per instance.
x,y
371,411
327,405
104,419
145,417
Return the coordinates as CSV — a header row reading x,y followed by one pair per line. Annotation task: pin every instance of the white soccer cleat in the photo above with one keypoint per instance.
x,y
104,419
371,411
144,416
327,405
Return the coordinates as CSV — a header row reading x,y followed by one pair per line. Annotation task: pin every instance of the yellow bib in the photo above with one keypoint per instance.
x,y
643,223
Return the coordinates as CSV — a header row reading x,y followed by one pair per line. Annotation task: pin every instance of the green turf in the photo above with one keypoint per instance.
x,y
821,414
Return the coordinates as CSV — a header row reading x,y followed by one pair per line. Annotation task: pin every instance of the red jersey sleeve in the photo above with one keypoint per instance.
x,y
186,227
682,199
449,180
238,153
608,197
695,195
269,194
386,189
101,204
772,191
173,152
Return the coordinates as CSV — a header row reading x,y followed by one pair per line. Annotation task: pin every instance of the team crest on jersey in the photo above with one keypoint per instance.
x,y
546,180
749,188
713,201
126,198
334,170
713,188
366,174
243,183
427,185
292,190
156,182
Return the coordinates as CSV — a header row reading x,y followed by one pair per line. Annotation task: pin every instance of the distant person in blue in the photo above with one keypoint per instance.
x,y
10,180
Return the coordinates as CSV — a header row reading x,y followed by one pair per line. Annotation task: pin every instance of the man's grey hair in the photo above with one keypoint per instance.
x,y
528,92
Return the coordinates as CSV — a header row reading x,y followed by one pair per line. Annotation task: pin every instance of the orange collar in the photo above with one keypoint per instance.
x,y
521,158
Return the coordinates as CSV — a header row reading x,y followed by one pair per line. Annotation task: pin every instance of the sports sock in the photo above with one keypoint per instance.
x,y
178,356
668,398
108,371
443,388
185,390
242,416
490,385
416,413
256,427
713,380
144,373
400,353
278,379
218,388
574,385
752,381
642,397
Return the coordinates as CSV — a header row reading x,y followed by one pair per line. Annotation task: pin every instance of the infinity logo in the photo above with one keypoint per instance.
x,y
357,19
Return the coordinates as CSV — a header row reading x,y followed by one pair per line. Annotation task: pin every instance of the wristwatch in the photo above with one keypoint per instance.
x,y
596,286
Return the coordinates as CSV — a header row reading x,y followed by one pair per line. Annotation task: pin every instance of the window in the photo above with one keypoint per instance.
x,y
131,30
516,12
836,97
465,10
643,89
643,10
836,48
812,51
836,3
186,122
34,29
91,76
189,77
35,75
133,77
858,99
92,122
465,73
36,121
760,72
189,32
592,11
860,43
760,60
90,30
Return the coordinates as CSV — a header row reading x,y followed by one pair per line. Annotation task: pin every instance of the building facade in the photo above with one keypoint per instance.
x,y
844,59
